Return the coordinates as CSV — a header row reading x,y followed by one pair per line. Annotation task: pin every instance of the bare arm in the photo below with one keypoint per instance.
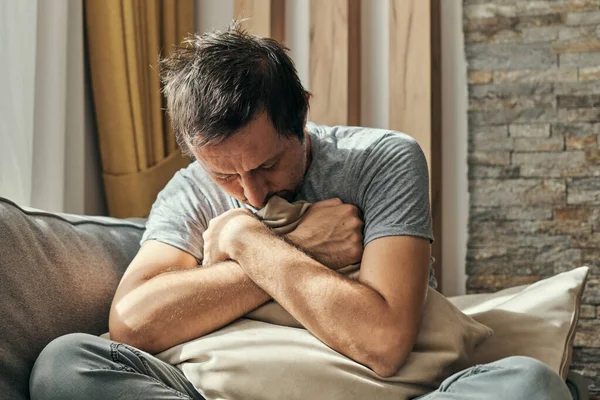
x,y
374,321
165,298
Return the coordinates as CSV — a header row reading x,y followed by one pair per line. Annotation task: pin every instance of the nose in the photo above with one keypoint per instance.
x,y
255,190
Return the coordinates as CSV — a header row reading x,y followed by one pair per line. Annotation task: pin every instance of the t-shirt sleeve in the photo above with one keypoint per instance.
x,y
179,217
394,185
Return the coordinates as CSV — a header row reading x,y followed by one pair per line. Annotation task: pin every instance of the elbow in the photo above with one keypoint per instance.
x,y
387,368
121,330
389,356
126,330
387,365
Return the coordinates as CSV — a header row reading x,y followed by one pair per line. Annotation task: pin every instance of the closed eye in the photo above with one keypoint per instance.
x,y
226,178
229,178
270,167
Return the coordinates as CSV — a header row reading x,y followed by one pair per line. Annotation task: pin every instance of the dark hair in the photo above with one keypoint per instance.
x,y
217,82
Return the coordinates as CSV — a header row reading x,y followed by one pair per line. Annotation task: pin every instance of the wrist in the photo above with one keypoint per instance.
x,y
248,236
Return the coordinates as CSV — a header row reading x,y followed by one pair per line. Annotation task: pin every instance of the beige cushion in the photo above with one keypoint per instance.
x,y
536,320
271,356
251,359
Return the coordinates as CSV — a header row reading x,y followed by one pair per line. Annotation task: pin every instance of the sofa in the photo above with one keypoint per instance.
x,y
58,274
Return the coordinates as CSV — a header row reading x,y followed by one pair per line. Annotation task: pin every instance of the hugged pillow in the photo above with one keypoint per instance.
x,y
537,320
269,355
251,359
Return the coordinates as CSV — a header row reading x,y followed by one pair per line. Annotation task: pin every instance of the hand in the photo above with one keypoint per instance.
x,y
331,233
223,231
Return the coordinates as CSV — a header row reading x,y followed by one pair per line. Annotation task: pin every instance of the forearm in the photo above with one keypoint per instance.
x,y
177,306
348,316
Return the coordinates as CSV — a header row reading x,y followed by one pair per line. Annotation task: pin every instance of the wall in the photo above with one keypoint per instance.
x,y
534,156
455,199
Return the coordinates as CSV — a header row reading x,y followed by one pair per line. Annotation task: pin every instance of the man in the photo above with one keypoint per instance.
x,y
238,107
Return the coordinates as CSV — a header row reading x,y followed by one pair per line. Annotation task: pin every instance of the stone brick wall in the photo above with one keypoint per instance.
x,y
534,150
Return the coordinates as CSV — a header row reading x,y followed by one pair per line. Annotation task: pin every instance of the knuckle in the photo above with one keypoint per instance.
x,y
356,237
358,223
351,209
348,208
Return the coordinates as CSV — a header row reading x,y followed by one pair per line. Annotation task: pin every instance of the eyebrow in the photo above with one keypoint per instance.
x,y
270,160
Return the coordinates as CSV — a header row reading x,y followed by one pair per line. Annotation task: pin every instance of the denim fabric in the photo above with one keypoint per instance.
x,y
82,366
514,378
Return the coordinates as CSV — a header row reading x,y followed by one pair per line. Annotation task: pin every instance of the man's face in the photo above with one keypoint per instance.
x,y
256,163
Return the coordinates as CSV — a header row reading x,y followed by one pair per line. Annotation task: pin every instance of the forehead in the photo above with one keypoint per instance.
x,y
247,149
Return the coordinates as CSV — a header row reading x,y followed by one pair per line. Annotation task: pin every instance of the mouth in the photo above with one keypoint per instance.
x,y
285,194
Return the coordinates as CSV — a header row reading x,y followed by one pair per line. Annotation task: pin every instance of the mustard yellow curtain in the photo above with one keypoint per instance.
x,y
138,150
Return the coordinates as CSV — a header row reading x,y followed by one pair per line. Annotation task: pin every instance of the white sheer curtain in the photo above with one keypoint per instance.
x,y
17,72
47,154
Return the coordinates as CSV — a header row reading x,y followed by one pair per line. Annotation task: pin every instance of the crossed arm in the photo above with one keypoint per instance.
x,y
373,321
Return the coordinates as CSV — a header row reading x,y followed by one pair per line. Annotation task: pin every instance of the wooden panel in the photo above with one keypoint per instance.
x,y
410,70
415,86
335,62
266,18
278,20
435,166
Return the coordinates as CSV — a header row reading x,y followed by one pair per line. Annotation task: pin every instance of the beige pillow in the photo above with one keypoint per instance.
x,y
251,359
269,355
537,320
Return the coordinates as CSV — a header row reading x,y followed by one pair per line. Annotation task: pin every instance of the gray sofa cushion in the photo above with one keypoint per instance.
x,y
58,274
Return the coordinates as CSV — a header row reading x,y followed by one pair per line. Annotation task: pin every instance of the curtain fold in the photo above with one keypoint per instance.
x,y
138,150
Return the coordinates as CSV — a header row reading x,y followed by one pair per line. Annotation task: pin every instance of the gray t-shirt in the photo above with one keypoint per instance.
x,y
383,173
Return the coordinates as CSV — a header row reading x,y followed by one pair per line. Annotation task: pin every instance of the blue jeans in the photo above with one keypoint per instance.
x,y
513,378
82,366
